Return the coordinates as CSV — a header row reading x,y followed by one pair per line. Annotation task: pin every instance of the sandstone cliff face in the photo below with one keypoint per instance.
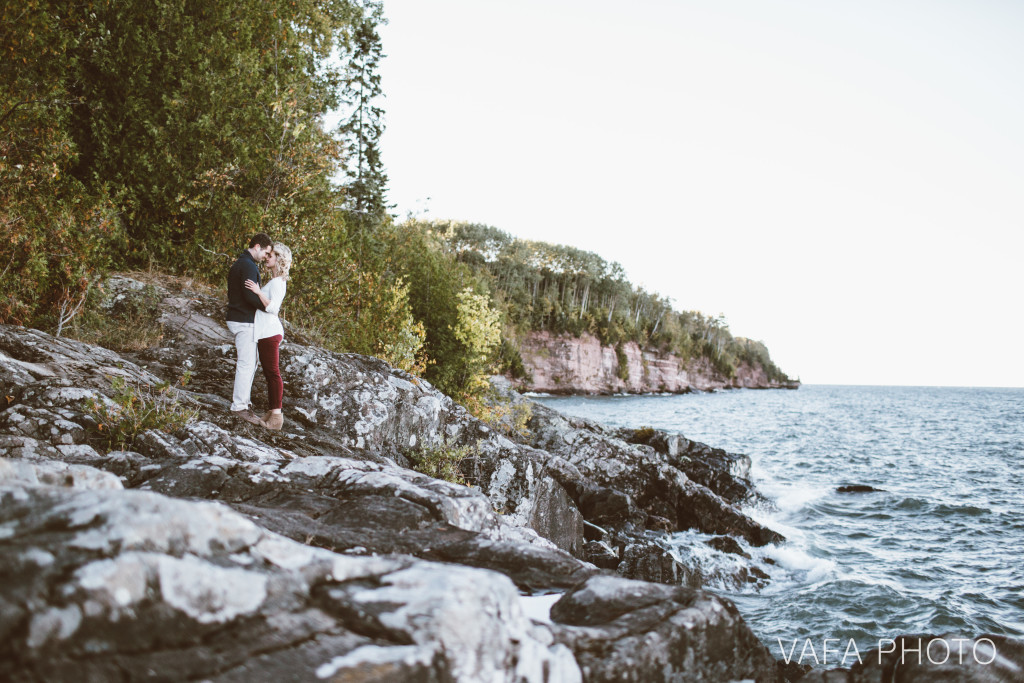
x,y
563,364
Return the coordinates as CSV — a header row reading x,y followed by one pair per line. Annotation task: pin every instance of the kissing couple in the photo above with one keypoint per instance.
x,y
253,318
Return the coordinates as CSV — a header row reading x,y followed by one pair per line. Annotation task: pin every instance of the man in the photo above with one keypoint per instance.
x,y
242,307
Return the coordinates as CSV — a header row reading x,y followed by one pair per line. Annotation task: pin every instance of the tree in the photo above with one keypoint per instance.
x,y
362,130
478,329
56,235
205,118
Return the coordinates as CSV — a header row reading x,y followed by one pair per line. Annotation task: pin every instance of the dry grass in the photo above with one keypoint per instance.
x,y
131,323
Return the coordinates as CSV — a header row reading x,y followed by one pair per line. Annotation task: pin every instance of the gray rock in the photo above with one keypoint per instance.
x,y
646,560
101,584
651,484
622,630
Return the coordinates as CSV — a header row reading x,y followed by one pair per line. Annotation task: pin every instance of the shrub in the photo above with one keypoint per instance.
x,y
644,434
441,463
510,360
133,410
58,234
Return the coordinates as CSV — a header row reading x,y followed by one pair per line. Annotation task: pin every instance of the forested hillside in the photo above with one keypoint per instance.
x,y
558,288
160,135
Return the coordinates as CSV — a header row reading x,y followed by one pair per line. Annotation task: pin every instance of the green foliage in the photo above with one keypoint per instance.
x,y
206,116
134,131
141,131
57,234
644,434
501,414
364,126
478,329
445,296
510,361
561,289
134,410
441,463
755,353
345,308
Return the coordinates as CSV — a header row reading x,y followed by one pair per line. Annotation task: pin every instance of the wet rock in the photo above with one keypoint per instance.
x,y
600,554
649,483
556,518
790,672
647,560
726,474
622,630
727,544
857,488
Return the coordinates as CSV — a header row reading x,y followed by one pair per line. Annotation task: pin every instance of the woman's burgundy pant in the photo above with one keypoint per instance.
x,y
269,360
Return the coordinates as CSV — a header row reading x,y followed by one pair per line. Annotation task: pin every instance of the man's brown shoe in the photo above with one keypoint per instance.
x,y
248,416
273,421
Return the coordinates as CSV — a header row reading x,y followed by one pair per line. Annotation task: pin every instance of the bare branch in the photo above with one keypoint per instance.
x,y
67,313
215,253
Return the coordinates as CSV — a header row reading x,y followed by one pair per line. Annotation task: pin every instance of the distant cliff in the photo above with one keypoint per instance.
x,y
564,364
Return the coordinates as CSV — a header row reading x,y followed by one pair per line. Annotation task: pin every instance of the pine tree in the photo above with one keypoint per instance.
x,y
362,130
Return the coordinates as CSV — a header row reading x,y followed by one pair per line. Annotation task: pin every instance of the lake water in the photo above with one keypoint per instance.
x,y
937,550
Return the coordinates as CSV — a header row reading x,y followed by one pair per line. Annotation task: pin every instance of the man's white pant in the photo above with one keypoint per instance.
x,y
245,365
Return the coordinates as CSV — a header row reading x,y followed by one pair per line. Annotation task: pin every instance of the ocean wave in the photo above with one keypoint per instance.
x,y
921,505
801,565
936,550
717,570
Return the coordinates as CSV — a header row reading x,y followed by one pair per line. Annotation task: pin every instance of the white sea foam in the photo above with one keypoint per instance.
x,y
718,570
804,567
791,497
770,520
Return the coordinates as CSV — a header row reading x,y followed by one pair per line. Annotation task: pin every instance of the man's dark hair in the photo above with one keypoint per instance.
x,y
262,239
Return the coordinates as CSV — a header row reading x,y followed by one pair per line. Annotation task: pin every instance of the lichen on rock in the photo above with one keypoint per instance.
x,y
218,551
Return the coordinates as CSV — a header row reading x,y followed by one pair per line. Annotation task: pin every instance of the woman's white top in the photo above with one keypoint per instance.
x,y
267,323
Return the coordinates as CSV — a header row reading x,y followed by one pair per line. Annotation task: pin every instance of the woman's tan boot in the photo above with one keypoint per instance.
x,y
273,420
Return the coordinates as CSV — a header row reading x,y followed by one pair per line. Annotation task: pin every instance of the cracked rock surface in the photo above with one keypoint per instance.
x,y
220,551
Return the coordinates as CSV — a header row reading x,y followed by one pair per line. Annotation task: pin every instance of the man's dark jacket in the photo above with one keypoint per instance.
x,y
243,303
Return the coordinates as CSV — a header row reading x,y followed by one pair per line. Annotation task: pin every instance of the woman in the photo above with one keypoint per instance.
x,y
269,332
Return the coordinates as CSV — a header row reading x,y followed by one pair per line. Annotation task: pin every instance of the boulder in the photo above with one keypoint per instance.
x,y
623,630
651,485
102,584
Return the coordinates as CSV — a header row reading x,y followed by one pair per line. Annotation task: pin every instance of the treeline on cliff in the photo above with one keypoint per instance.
x,y
161,134
562,289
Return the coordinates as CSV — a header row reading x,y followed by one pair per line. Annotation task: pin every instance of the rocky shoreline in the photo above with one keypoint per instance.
x,y
564,364
219,551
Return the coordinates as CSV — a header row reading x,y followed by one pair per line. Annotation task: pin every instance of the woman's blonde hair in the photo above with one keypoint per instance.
x,y
284,260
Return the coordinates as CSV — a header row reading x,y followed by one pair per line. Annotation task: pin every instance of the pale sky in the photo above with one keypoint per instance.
x,y
843,180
